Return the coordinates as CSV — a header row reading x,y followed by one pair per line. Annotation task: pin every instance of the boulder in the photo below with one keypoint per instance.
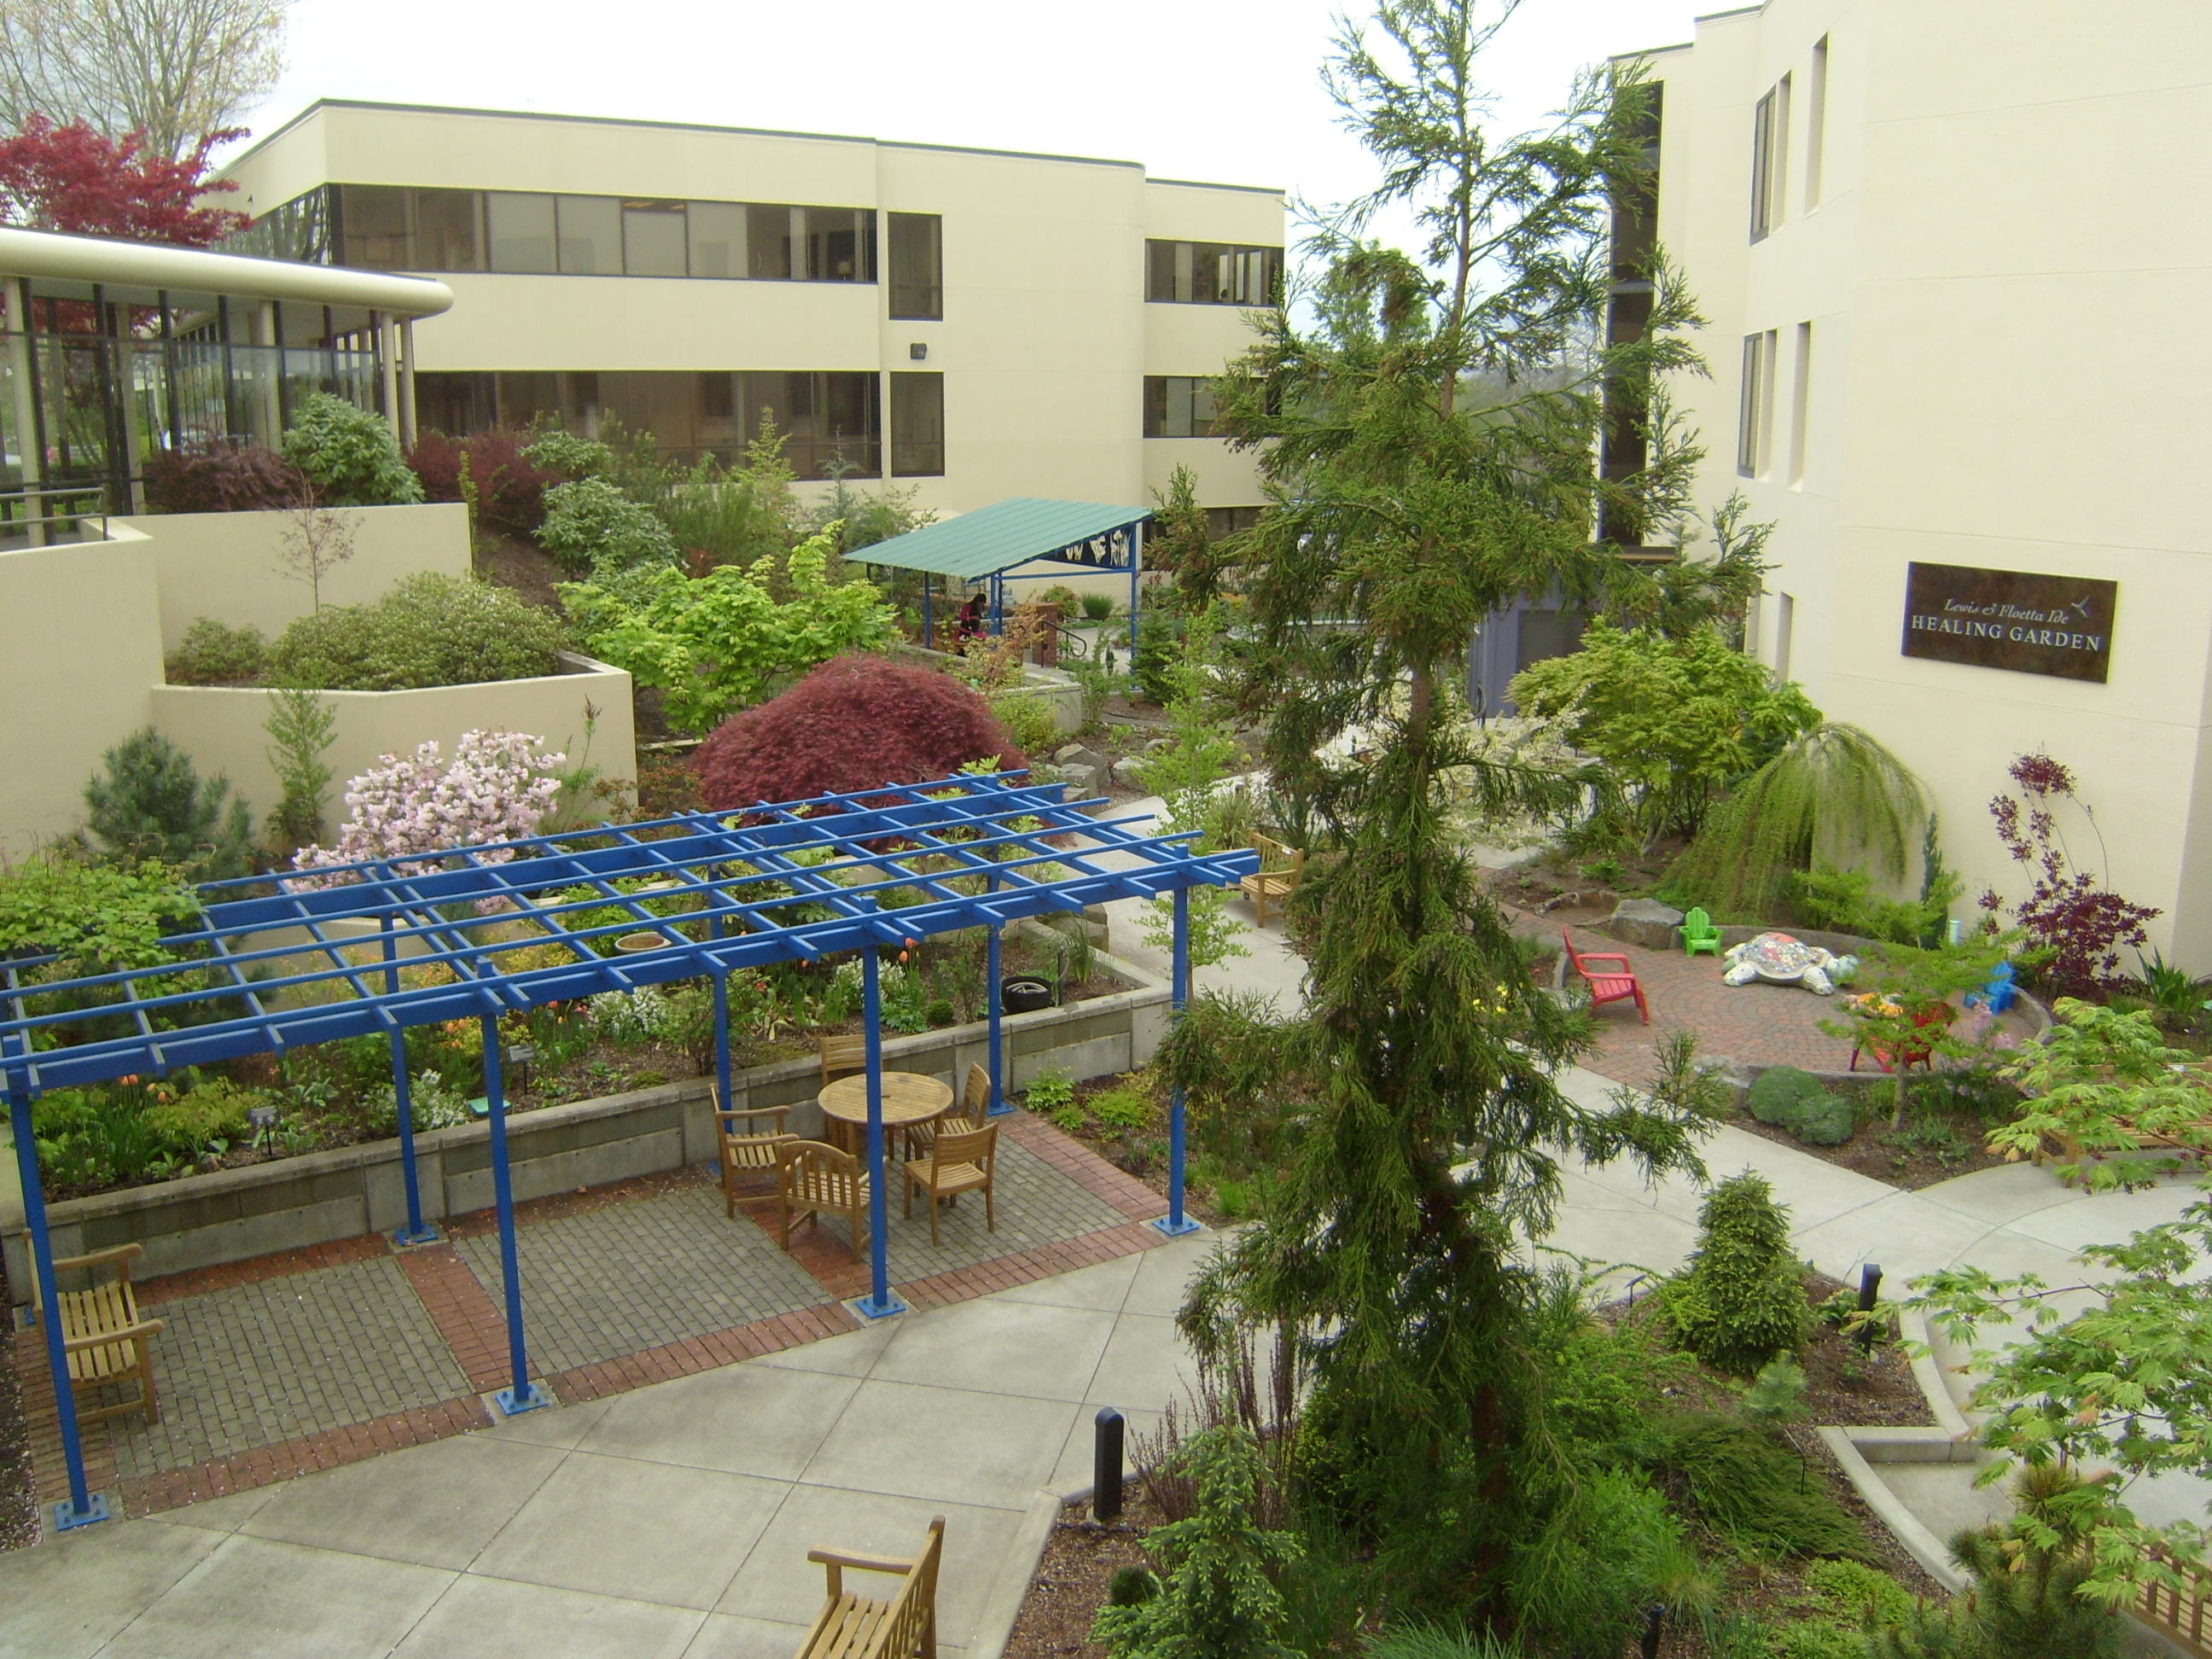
x,y
1647,922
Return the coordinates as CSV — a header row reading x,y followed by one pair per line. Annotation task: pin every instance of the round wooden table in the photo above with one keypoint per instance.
x,y
909,1098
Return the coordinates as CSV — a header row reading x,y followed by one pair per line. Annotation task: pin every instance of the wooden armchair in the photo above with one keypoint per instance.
x,y
975,1106
1281,869
812,1178
103,1335
852,1627
1607,983
746,1149
958,1164
841,1054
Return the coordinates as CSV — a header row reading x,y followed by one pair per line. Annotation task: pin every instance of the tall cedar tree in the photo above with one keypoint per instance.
x,y
70,179
1428,447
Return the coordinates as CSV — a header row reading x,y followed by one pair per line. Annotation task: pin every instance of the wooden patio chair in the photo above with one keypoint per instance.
x,y
974,1107
1617,983
958,1164
104,1337
1699,933
1281,869
841,1054
852,1627
812,1179
746,1150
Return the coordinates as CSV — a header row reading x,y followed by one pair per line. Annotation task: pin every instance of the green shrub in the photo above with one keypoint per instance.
x,y
1097,607
1798,1101
570,456
349,455
1749,1485
1127,1109
151,803
191,1122
431,629
1741,1300
589,524
1049,1092
1029,722
93,1137
212,654
1159,640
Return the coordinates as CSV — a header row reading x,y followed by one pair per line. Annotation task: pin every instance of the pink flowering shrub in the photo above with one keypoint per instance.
x,y
499,787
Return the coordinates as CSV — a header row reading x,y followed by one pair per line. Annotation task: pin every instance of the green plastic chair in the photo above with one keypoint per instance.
x,y
1699,933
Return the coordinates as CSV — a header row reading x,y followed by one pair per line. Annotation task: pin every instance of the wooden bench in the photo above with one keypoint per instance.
x,y
850,1627
103,1335
1281,869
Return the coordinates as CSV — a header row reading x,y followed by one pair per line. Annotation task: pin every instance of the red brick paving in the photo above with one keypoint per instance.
x,y
475,1331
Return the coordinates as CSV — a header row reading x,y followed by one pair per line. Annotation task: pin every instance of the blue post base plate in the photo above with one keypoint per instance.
x,y
508,1403
1167,1225
66,1518
868,1310
401,1239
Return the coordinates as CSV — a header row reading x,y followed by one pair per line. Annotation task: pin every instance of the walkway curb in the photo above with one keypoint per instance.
x,y
1921,1545
994,1626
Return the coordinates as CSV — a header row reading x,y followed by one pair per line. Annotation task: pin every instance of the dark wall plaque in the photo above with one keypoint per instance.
x,y
2031,624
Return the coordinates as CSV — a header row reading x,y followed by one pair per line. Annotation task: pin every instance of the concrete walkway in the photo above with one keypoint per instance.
x,y
672,1520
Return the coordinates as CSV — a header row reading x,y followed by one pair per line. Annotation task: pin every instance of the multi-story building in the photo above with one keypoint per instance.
x,y
1959,343
973,324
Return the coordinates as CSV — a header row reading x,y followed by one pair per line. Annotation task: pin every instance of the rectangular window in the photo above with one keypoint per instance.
x,y
1801,391
1749,416
653,238
769,242
1212,273
590,236
917,269
1816,122
1762,167
717,235
376,231
1228,520
1178,406
448,236
1785,626
917,425
841,245
520,229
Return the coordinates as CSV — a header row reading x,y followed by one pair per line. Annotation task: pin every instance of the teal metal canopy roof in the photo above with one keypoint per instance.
x,y
1001,535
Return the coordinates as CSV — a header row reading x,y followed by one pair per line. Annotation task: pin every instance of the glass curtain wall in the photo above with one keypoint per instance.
x,y
93,388
1212,273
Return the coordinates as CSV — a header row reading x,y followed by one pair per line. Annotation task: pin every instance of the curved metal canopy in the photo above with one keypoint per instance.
x,y
136,272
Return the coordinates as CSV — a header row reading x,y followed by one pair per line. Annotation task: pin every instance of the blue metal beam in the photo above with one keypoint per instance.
x,y
1175,1223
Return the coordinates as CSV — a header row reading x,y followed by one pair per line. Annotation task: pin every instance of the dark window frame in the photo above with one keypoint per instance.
x,y
916,456
1177,264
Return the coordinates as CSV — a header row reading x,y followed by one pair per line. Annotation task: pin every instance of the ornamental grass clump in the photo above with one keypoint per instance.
x,y
1741,1300
498,787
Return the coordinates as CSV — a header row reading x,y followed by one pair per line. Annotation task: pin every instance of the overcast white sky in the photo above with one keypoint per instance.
x,y
1220,90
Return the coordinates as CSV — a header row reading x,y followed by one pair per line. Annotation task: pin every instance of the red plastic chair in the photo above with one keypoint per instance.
x,y
1910,1054
1607,984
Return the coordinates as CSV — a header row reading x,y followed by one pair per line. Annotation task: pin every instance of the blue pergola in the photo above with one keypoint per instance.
x,y
267,971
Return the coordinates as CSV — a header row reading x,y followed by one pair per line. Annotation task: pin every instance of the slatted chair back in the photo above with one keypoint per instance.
x,y
975,1096
854,1626
841,1054
745,1147
975,1147
811,1177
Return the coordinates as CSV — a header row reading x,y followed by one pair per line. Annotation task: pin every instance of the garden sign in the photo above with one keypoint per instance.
x,y
2031,624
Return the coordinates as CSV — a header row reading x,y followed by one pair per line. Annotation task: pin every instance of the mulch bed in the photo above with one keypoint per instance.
x,y
1080,1559
1877,1150
18,1503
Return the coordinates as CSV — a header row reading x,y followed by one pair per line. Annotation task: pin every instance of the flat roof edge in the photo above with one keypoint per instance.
x,y
321,104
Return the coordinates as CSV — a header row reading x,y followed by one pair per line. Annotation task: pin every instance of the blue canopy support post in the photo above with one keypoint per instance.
x,y
1136,562
998,605
416,1232
1175,1222
82,1507
520,1395
879,1303
928,621
721,1028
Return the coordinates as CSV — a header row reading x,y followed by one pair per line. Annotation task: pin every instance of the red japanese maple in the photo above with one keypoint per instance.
x,y
70,179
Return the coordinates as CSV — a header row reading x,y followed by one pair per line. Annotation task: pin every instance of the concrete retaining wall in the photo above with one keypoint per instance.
x,y
201,1220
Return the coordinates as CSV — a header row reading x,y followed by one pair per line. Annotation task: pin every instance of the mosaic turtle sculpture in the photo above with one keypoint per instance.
x,y
1781,959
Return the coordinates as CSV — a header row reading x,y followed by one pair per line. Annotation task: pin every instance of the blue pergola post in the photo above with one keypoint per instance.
x,y
721,1028
879,1303
415,1232
1175,1223
998,605
991,970
82,1507
518,1396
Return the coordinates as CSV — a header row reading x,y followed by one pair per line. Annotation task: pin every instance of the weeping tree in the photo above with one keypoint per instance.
x,y
1834,786
1428,443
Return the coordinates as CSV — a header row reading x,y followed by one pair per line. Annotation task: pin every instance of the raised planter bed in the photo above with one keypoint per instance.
x,y
204,1219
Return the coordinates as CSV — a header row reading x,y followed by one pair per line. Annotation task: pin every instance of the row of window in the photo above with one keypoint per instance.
x,y
831,421
1771,131
416,228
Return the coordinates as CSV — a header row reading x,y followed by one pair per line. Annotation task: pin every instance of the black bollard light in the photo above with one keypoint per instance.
x,y
1655,1620
1869,1293
1106,1467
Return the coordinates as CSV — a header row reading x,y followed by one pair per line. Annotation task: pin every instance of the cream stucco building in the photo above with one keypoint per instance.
x,y
1955,274
975,325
